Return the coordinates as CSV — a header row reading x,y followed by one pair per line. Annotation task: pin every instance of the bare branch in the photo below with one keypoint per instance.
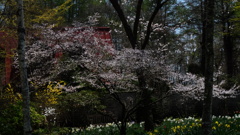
x,y
136,23
126,26
149,26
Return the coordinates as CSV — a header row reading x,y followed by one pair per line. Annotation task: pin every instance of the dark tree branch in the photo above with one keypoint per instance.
x,y
149,26
136,22
124,22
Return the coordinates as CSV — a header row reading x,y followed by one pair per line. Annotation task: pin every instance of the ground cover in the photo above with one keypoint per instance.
x,y
222,125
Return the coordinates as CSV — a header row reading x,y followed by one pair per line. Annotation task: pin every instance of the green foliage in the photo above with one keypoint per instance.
x,y
80,99
32,8
12,119
53,131
236,19
73,107
55,15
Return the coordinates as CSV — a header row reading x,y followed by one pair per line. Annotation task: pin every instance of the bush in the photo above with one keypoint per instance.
x,y
72,108
53,131
12,120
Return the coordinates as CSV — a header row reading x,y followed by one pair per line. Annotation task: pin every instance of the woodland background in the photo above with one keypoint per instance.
x,y
162,59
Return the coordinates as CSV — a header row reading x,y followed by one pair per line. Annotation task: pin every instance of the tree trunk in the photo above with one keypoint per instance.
x,y
228,53
23,70
123,128
145,111
209,67
203,48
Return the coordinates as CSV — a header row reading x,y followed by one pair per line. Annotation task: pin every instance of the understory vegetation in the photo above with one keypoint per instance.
x,y
221,125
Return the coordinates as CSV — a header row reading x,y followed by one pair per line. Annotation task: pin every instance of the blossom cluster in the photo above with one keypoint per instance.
x,y
192,86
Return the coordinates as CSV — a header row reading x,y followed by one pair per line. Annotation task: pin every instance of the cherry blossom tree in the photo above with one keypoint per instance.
x,y
55,52
78,53
133,34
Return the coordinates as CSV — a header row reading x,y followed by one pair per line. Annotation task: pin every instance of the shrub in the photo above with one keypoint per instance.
x,y
72,108
12,119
